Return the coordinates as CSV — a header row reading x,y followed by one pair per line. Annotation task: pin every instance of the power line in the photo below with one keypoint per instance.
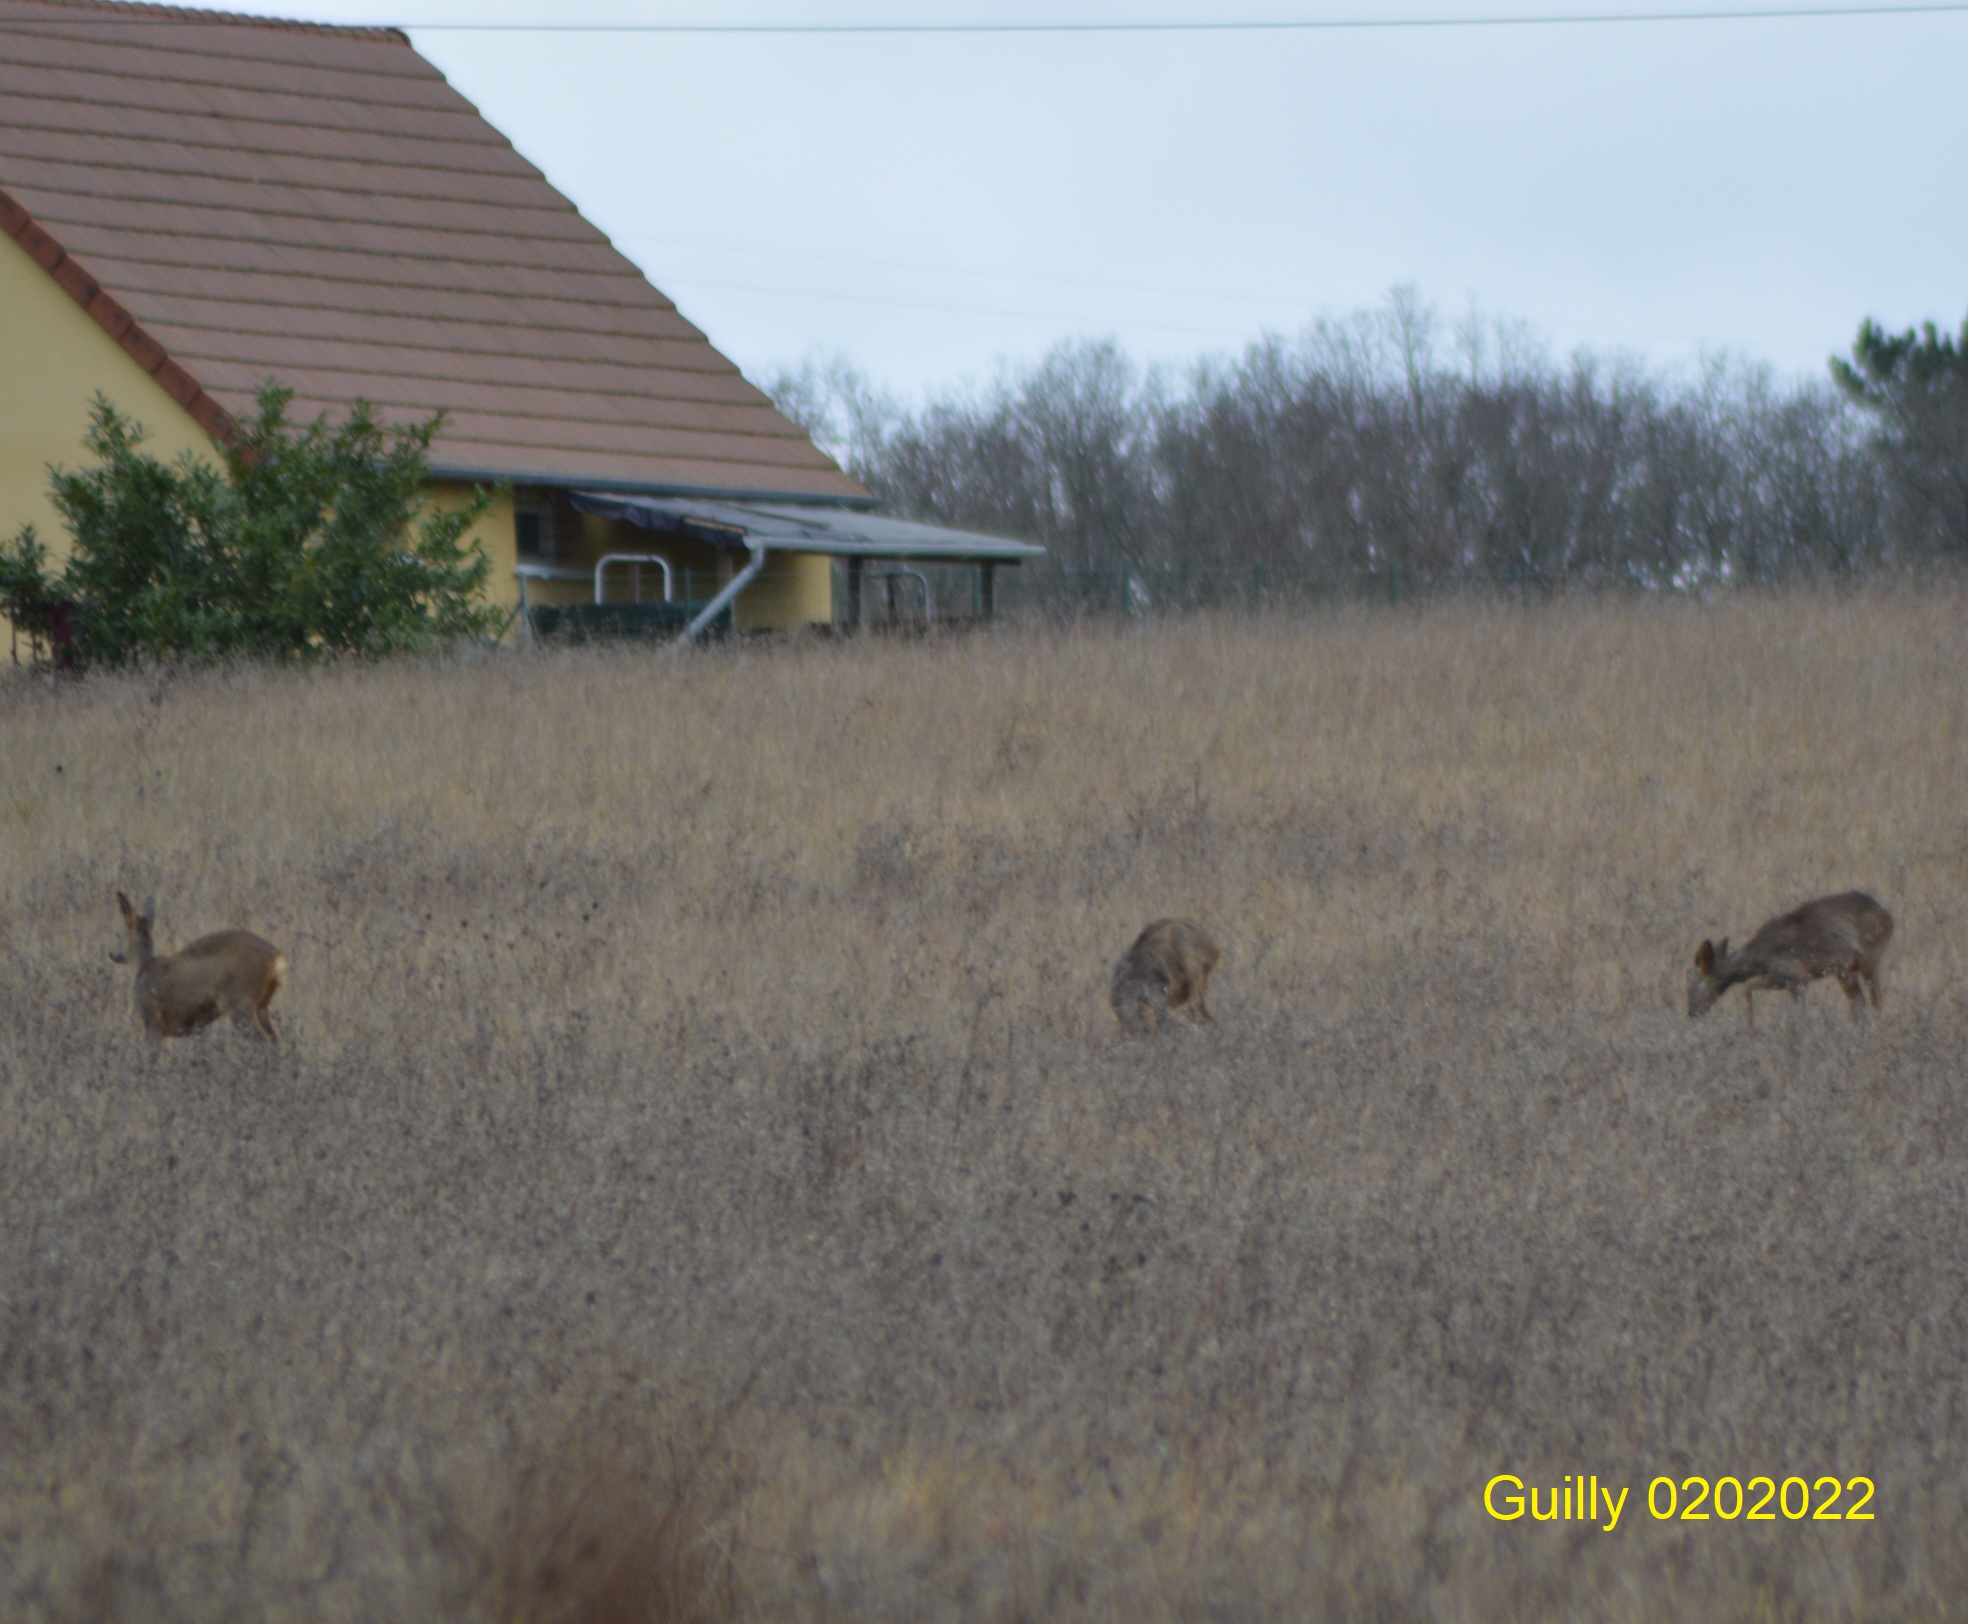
x,y
689,287
973,272
1256,26
882,301
1298,25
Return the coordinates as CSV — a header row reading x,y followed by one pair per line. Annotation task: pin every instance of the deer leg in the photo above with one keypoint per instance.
x,y
1202,1000
263,1019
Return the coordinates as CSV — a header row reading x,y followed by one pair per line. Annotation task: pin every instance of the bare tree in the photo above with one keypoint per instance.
x,y
1369,454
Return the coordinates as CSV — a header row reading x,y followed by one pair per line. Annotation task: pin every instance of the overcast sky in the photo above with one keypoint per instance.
x,y
933,206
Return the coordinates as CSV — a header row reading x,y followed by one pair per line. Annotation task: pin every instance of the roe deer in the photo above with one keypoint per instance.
x,y
232,972
1840,936
1168,967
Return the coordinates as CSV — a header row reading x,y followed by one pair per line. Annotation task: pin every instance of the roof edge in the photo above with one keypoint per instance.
x,y
151,11
110,315
852,536
645,487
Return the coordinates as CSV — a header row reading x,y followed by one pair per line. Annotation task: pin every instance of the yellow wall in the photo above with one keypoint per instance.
x,y
494,533
53,360
794,589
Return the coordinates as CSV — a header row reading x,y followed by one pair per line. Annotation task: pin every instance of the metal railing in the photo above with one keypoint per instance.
x,y
888,578
637,560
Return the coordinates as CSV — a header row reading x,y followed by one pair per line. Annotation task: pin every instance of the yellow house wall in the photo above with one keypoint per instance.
x,y
494,532
53,360
794,589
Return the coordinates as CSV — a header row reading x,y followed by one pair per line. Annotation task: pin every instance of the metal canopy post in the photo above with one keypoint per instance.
x,y
987,584
854,594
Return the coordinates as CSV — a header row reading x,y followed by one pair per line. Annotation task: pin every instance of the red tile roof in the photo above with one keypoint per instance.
x,y
236,199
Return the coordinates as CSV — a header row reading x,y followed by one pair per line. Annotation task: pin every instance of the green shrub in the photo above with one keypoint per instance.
x,y
307,541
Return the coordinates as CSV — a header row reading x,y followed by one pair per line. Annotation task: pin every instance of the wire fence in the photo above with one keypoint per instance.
x,y
1141,590
1048,590
930,594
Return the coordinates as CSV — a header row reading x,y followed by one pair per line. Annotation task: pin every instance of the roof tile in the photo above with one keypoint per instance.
x,y
235,199
170,224
321,202
514,304
125,161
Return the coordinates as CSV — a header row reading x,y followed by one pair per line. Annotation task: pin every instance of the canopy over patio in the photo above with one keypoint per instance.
x,y
829,531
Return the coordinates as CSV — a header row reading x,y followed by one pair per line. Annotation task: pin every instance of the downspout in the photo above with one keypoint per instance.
x,y
736,585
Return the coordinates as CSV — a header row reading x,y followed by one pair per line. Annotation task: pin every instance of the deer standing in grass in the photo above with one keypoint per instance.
x,y
1840,936
232,973
1168,968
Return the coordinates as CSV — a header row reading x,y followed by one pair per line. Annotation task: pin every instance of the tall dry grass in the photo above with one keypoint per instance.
x,y
703,1177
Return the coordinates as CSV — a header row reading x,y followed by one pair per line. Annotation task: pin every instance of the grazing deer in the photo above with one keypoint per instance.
x,y
1840,936
232,972
1167,968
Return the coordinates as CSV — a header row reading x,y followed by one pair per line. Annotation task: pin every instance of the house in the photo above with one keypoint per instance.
x,y
192,203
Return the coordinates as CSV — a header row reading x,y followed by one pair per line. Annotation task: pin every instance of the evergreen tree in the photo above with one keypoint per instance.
x,y
1915,389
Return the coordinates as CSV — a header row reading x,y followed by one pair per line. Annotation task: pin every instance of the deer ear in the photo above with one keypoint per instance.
x,y
1705,956
150,911
123,902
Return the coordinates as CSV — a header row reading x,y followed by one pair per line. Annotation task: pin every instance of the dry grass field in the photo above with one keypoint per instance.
x,y
703,1179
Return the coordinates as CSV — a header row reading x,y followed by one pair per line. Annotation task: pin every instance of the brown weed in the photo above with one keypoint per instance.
x,y
702,1177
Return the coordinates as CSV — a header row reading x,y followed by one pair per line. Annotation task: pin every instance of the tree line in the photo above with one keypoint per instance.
x,y
1373,454
1388,450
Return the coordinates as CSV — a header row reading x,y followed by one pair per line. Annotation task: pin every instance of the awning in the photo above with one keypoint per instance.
x,y
793,528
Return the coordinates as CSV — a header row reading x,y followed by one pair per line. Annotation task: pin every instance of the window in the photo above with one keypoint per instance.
x,y
535,524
